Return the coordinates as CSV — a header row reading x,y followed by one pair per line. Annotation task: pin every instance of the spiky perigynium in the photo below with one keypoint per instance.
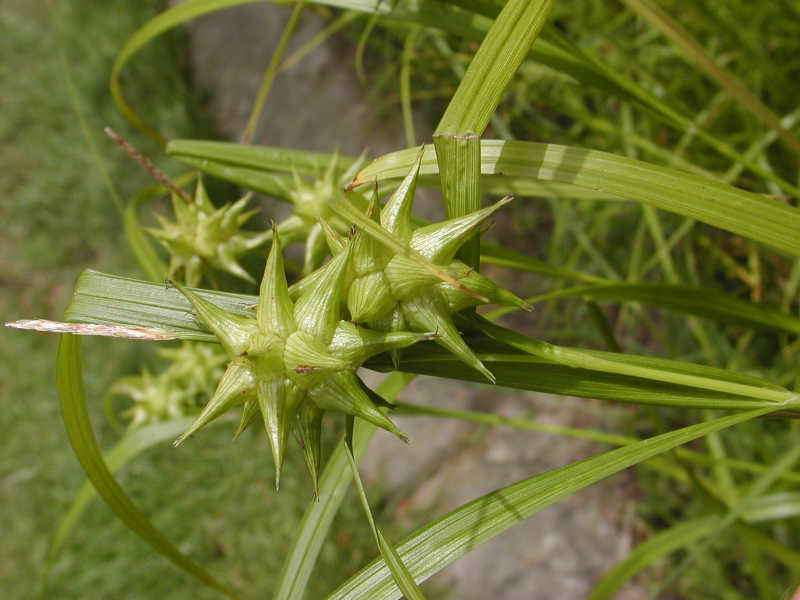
x,y
203,236
294,360
176,391
311,201
391,292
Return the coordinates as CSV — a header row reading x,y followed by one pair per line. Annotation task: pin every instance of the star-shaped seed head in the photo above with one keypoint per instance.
x,y
291,361
311,201
389,291
203,236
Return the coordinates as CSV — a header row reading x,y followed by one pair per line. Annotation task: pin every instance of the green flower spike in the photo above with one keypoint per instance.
x,y
294,359
204,236
311,201
389,291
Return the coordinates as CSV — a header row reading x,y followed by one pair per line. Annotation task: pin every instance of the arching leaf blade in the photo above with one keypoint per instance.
x,y
81,437
133,443
438,544
319,514
177,15
757,217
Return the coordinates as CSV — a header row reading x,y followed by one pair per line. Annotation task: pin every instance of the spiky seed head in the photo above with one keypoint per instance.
x,y
203,237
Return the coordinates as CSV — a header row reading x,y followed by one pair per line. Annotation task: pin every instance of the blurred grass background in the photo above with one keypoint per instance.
x,y
58,218
214,498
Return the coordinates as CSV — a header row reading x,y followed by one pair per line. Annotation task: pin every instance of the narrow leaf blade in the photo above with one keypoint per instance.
x,y
440,543
132,444
760,218
84,444
335,481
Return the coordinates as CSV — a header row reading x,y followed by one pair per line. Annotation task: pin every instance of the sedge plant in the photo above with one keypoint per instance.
x,y
399,295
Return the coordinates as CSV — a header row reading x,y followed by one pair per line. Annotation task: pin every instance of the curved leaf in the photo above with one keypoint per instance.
x,y
173,17
133,443
525,372
84,444
438,544
645,367
760,218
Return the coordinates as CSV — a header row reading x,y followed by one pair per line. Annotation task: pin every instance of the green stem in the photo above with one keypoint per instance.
x,y
270,73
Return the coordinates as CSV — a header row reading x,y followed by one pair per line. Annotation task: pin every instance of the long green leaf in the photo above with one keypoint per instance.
x,y
264,169
133,443
757,217
667,371
701,302
267,158
508,41
525,372
84,444
405,582
335,481
438,544
112,300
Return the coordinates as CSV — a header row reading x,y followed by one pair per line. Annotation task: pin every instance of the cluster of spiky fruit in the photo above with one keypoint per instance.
x,y
297,356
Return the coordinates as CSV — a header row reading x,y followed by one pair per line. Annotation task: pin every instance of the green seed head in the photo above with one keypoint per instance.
x,y
393,292
294,359
311,200
204,237
178,390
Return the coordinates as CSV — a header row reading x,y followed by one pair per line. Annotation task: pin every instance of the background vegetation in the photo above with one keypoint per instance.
x,y
59,218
